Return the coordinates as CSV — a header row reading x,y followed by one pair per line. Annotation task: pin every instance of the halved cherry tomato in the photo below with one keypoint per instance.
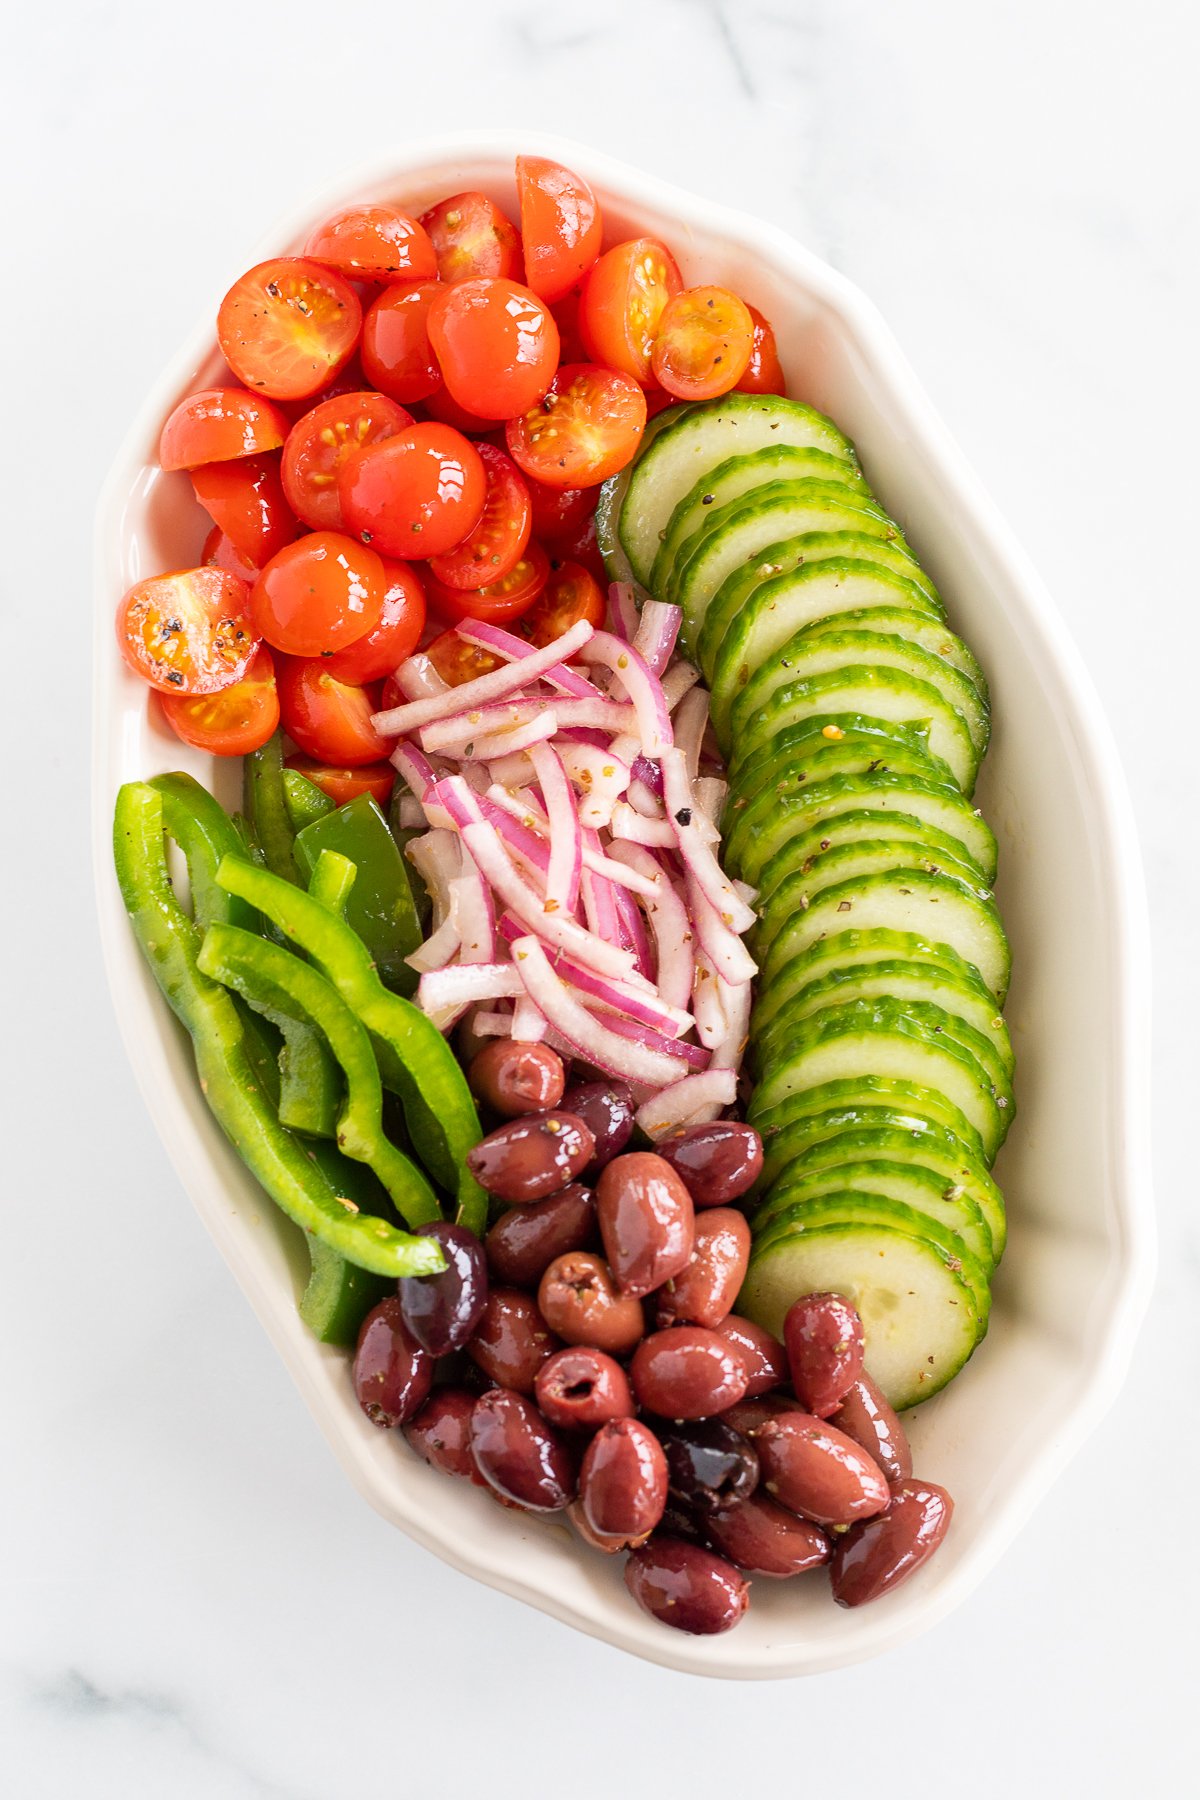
x,y
396,636
584,548
217,425
318,444
318,594
246,499
587,427
348,380
498,541
472,237
570,594
443,407
397,356
561,226
559,513
496,345
566,316
704,341
622,301
341,785
287,326
455,660
420,491
233,721
500,601
328,719
373,243
764,372
658,400
220,553
188,632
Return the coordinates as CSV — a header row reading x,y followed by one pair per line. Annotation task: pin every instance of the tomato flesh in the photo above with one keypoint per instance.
x,y
456,661
328,719
419,492
373,243
235,720
621,303
220,553
287,326
397,356
704,341
586,428
395,637
342,785
764,371
500,601
496,345
189,631
319,443
472,237
569,595
561,226
246,500
499,539
218,425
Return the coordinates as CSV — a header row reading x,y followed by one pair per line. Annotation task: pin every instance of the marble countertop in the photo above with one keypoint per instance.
x,y
194,1605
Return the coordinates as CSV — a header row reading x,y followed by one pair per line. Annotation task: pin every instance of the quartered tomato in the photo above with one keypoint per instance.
x,y
586,428
318,444
561,226
496,345
246,500
569,595
559,513
232,722
704,341
397,356
622,301
373,243
341,785
472,237
217,425
764,372
456,661
328,719
498,541
418,493
395,637
500,602
220,553
318,594
188,632
287,327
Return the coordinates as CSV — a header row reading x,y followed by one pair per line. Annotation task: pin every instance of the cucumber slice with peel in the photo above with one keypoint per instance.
x,y
778,905
857,1103
945,1204
799,851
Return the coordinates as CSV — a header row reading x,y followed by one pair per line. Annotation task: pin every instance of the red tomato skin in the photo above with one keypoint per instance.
x,y
442,406
273,346
559,514
422,489
693,361
572,348
572,593
498,542
501,601
561,226
219,553
319,594
540,440
764,372
235,720
584,548
395,637
218,425
328,719
374,243
471,237
310,459
246,500
621,302
397,356
187,631
341,785
496,344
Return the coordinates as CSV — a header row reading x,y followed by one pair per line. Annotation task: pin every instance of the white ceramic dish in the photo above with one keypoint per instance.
x,y
1073,1286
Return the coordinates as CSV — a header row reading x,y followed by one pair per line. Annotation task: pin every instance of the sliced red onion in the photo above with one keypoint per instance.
x,y
636,999
497,684
492,1023
512,649
702,865
437,858
643,688
707,1004
514,771
635,828
474,912
588,1037
510,743
450,734
710,795
600,776
644,800
737,1002
413,767
623,610
695,1055
467,982
566,837
417,678
438,949
677,681
658,628
410,814
690,722
599,905
693,1101
725,950
529,1026
670,926
631,928
745,892
649,773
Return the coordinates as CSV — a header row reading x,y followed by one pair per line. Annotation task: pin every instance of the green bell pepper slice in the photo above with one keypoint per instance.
x,y
264,800
381,908
304,800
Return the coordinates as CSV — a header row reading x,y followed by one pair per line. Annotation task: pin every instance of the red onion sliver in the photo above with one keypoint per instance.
x,y
437,858
698,857
509,743
690,722
492,1024
438,949
647,772
670,926
640,1003
725,950
528,1024
693,1101
737,1003
635,828
417,678
644,689
658,628
695,1055
623,610
497,684
588,1038
566,838
413,767
677,681
513,649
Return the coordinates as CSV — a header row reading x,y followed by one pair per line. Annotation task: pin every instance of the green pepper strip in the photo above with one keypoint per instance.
x,y
414,1059
381,908
265,802
279,985
227,1077
331,881
304,800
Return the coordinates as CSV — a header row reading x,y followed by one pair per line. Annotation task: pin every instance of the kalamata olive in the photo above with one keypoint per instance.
x,y
441,1433
443,1310
531,1157
596,1539
607,1109
525,1240
392,1372
765,1539
704,1292
511,1341
687,1373
514,1079
708,1463
581,1388
579,1300
747,1415
717,1163
680,1521
623,1480
518,1454
866,1416
764,1356
646,1221
686,1586
814,1469
823,1335
873,1558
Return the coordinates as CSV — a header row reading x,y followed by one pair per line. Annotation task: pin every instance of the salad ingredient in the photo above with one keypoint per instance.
x,y
717,1163
373,243
704,340
763,373
441,1311
684,1585
709,1464
580,1302
287,326
219,552
233,721
396,635
569,595
268,816
518,1454
393,1373
189,632
329,719
318,594
764,1358
397,355
246,501
623,1480
561,225
511,1340
824,1339
814,1469
646,1221
865,1416
525,1240
441,1433
338,1294
606,1108
218,425
500,602
319,442
380,907
706,1289
582,1388
764,1538
498,541
472,238
875,1556
496,345
687,1373
420,491
584,426
531,1157
513,1079
338,785
621,304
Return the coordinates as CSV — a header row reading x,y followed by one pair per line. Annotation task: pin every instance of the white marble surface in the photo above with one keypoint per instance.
x,y
194,1606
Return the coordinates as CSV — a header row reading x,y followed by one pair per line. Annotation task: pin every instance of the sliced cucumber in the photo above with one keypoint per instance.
x,y
905,1183
932,636
612,498
797,852
861,952
778,905
859,1102
825,744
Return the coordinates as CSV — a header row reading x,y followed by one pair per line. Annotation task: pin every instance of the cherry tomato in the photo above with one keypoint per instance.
x,y
584,548
373,243
234,721
658,400
498,541
246,500
188,632
587,427
456,661
328,719
472,237
219,553
566,316
422,490
704,341
316,595
570,594
764,372
395,637
341,785
559,513
561,227
622,301
500,601
445,408
287,326
217,425
496,345
397,356
348,380
318,444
